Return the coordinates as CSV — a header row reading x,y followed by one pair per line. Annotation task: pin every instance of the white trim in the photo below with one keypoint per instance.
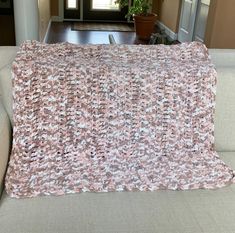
x,y
47,32
168,31
74,20
61,12
186,34
26,17
60,17
61,9
71,8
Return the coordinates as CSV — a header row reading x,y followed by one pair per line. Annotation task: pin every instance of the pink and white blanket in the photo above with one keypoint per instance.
x,y
103,118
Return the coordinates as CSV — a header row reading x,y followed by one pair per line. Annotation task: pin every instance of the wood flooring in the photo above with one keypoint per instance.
x,y
61,32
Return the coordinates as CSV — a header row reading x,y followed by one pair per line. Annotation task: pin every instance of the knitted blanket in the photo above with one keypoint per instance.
x,y
103,118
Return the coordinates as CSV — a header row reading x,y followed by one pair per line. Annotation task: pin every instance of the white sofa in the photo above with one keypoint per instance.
x,y
207,211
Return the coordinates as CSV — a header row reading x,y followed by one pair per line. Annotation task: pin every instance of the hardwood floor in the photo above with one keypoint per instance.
x,y
61,32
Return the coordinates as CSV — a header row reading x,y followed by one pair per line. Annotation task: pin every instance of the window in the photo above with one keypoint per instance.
x,y
108,5
72,4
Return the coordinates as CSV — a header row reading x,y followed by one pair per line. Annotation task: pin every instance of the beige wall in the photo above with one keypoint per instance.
x,y
54,7
168,12
155,6
44,17
220,31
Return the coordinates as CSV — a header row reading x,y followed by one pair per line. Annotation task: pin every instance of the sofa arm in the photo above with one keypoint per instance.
x,y
5,143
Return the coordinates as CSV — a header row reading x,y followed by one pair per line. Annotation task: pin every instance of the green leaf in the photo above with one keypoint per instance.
x,y
139,7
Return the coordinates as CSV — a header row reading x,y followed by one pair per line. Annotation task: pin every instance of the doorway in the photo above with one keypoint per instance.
x,y
94,10
72,9
193,20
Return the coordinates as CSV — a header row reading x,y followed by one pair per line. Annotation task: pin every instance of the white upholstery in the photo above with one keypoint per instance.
x,y
198,211
225,110
7,55
5,138
223,57
6,90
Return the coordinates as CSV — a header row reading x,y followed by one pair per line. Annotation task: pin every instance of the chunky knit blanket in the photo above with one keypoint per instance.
x,y
103,118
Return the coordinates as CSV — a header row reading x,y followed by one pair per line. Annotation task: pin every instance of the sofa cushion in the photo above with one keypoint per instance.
x,y
225,110
6,90
5,135
7,55
124,212
223,57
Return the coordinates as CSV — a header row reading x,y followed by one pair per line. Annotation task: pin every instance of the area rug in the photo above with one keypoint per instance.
x,y
104,118
119,27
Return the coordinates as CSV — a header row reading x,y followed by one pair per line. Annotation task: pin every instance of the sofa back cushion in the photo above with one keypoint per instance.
x,y
6,90
7,55
223,57
225,110
5,135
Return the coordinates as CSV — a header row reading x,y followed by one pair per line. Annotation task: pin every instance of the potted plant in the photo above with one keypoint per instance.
x,y
143,19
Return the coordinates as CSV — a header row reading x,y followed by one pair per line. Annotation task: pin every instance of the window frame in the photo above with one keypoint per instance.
x,y
72,8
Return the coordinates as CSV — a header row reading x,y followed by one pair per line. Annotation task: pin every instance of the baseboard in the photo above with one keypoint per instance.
x,y
47,32
56,19
168,31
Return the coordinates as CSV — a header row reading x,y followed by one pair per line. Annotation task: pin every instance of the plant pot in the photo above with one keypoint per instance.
x,y
144,25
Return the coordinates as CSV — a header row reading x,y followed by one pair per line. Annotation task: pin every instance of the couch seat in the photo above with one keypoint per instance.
x,y
207,211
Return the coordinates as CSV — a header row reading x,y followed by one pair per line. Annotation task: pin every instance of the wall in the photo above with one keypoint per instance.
x,y
7,30
44,17
168,12
54,7
220,31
